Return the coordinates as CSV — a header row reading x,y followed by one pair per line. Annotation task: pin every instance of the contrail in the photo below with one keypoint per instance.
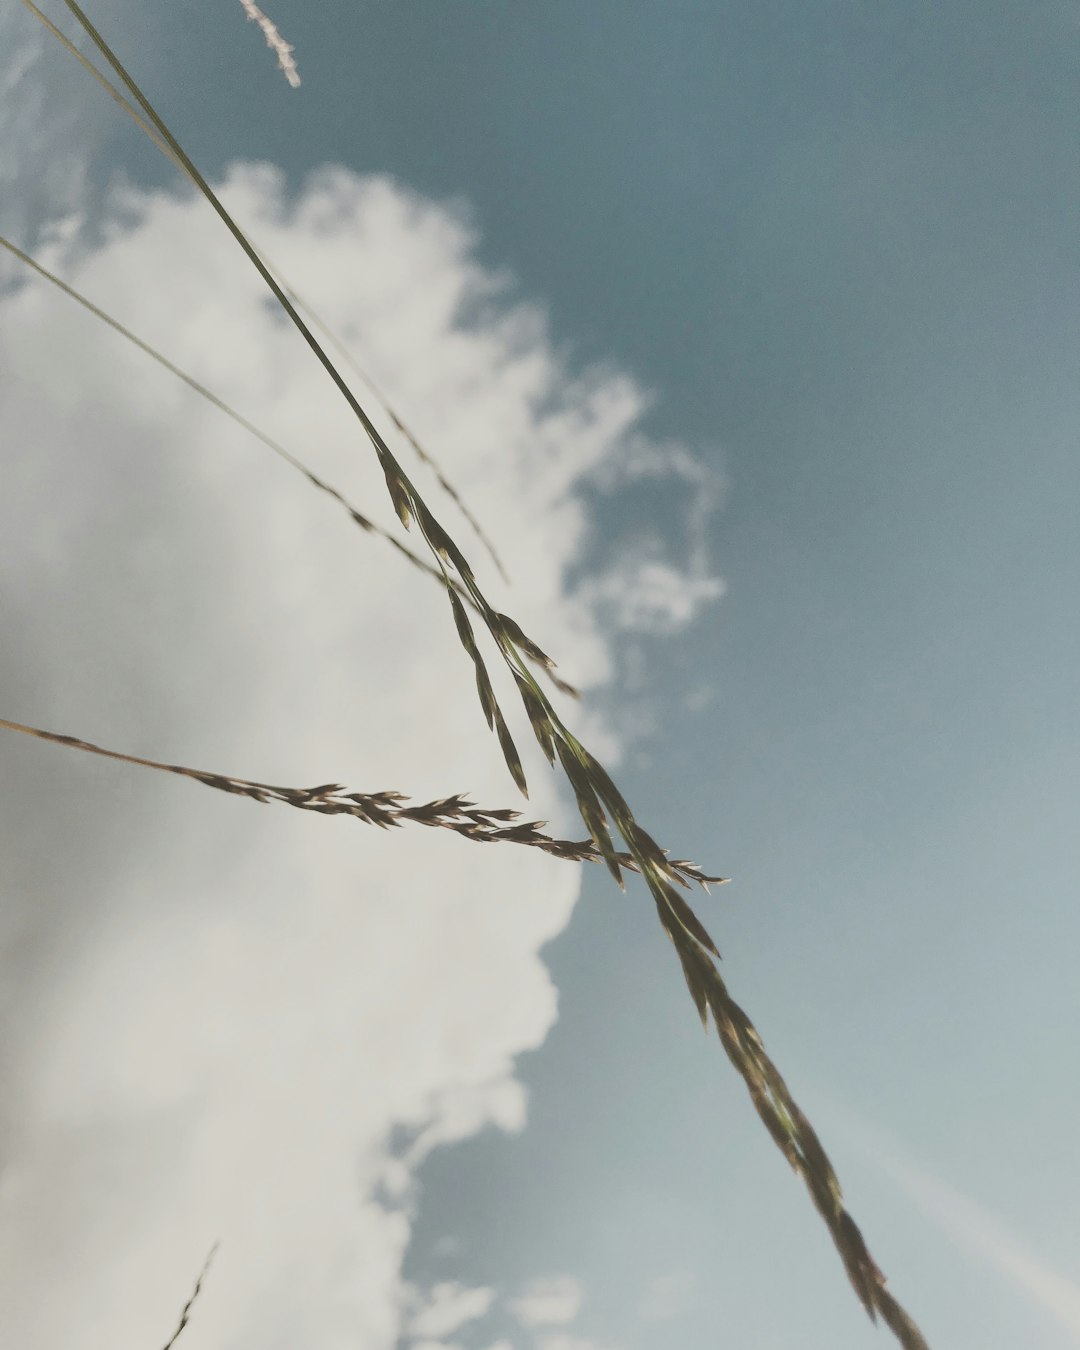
x,y
973,1228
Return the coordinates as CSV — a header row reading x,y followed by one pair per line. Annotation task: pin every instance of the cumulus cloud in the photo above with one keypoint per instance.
x,y
221,1015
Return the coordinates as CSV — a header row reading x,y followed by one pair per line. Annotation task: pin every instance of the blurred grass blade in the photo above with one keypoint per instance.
x,y
185,1312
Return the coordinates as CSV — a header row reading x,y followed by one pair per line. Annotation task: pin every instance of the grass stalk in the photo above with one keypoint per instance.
x,y
298,300
386,809
600,803
294,462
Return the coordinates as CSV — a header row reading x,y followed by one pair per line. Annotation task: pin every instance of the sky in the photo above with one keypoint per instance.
x,y
749,334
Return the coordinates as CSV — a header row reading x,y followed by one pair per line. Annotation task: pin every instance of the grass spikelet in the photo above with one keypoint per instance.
x,y
468,640
589,806
399,494
509,749
537,719
386,808
685,916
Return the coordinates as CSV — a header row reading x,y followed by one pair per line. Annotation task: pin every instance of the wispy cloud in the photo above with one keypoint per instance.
x,y
277,44
548,1300
447,1306
973,1227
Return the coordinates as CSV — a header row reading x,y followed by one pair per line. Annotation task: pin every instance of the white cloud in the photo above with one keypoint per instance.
x,y
449,1305
648,594
223,1009
705,486
548,1299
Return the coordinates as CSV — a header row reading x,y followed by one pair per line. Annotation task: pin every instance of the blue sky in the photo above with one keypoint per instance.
x,y
833,250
